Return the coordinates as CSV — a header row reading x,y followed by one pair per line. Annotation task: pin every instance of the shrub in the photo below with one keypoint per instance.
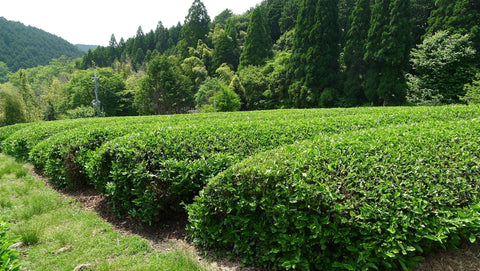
x,y
472,95
442,64
370,199
80,112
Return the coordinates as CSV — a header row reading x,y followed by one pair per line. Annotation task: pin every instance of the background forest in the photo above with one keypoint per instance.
x,y
280,54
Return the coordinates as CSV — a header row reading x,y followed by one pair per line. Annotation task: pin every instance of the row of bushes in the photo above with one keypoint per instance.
x,y
149,166
364,200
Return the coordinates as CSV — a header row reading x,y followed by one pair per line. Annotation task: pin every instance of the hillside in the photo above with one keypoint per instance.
x,y
26,46
85,47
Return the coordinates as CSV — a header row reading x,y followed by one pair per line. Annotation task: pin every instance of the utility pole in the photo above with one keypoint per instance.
x,y
96,102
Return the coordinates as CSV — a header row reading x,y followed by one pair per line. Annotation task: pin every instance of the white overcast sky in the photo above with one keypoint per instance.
x,y
94,21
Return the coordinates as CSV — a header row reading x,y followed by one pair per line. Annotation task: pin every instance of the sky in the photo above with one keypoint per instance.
x,y
93,22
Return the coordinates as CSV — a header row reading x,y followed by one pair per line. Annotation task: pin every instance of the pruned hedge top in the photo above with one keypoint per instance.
x,y
369,199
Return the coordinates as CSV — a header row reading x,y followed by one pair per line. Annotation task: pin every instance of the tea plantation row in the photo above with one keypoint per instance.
x,y
305,189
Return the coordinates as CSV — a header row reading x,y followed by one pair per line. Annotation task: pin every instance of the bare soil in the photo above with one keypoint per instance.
x,y
172,235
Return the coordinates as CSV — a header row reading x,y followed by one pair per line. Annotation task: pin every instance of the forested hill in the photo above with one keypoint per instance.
x,y
26,46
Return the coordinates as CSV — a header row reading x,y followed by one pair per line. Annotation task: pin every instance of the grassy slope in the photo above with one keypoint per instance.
x,y
57,235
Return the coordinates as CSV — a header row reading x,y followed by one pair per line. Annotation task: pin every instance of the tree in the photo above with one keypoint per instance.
x,y
314,63
472,95
457,16
231,31
273,14
237,87
53,101
206,91
164,90
225,73
194,68
276,76
226,100
197,24
397,44
345,10
255,85
113,49
373,57
4,72
442,64
421,10
33,112
223,17
223,48
356,66
80,91
12,107
289,15
257,47
161,36
388,46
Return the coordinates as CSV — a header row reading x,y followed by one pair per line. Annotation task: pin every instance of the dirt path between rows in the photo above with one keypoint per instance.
x,y
171,235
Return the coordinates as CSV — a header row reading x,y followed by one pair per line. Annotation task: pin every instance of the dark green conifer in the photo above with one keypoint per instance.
x,y
388,47
197,24
378,26
396,45
223,48
354,54
257,47
314,63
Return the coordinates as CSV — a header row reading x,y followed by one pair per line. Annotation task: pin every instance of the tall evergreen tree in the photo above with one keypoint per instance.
x,y
197,24
345,10
112,49
421,10
223,48
356,39
375,61
274,12
393,87
289,15
231,31
161,37
388,47
314,63
257,47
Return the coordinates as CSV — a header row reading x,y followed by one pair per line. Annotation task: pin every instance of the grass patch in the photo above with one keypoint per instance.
x,y
57,235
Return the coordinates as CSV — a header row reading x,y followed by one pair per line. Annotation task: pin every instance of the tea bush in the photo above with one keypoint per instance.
x,y
363,200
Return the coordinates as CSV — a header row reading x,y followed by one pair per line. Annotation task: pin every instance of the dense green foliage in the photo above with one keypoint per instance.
x,y
8,256
314,65
197,24
292,54
257,42
355,52
149,166
12,108
387,51
37,46
370,199
457,17
472,95
442,64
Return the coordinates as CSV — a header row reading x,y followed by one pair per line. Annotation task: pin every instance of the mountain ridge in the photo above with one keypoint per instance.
x,y
24,46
